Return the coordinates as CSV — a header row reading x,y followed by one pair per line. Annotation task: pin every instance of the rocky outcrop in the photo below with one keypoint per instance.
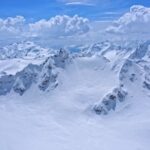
x,y
110,101
61,58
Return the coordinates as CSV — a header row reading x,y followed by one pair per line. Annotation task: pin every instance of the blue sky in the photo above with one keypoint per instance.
x,y
92,9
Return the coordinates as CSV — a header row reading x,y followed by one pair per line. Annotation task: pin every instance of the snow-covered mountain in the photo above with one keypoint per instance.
x,y
24,49
129,64
100,92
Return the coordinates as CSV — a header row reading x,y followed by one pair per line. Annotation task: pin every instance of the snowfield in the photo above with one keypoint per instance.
x,y
56,111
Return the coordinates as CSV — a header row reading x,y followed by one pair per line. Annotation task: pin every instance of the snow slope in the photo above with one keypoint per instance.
x,y
64,118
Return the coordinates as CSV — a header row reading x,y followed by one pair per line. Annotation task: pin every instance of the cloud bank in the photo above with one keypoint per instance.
x,y
60,26
12,26
78,2
64,29
136,21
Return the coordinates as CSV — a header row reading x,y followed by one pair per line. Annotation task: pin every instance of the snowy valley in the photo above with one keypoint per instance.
x,y
97,98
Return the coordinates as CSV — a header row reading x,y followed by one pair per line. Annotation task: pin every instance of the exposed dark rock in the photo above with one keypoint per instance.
x,y
6,83
109,102
132,77
61,58
146,85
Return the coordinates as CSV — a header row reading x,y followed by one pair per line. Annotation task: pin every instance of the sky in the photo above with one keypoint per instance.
x,y
34,10
73,22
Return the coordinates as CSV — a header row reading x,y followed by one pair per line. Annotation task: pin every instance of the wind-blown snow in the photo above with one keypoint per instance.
x,y
63,118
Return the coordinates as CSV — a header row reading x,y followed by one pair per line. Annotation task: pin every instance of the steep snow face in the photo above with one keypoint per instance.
x,y
130,71
45,75
48,76
142,51
135,70
26,78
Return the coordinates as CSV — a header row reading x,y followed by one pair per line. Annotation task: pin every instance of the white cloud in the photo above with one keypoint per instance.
x,y
60,26
78,2
71,1
12,26
59,30
136,21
